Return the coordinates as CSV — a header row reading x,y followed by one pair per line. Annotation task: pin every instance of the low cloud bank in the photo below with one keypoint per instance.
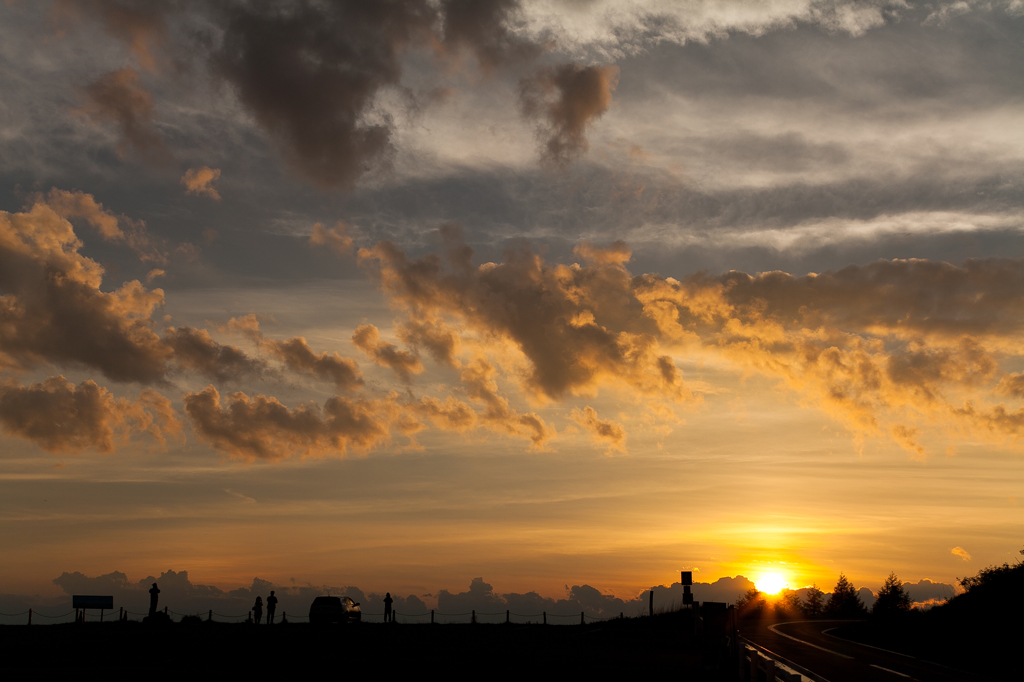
x,y
181,596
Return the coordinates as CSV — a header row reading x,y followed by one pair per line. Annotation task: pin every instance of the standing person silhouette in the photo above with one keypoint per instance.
x,y
271,607
257,611
154,597
388,617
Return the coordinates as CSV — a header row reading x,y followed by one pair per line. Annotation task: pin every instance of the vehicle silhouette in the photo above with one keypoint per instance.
x,y
334,610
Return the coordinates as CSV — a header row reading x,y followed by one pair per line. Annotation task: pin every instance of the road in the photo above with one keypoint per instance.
x,y
809,644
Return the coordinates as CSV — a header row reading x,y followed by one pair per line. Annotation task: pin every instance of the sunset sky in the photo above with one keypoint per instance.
x,y
400,294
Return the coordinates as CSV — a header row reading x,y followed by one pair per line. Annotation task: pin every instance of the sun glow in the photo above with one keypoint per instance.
x,y
771,583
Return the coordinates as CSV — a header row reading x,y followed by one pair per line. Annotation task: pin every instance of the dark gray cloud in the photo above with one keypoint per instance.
x,y
481,26
564,101
119,98
309,73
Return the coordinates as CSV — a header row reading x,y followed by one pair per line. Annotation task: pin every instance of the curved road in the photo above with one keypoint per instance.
x,y
809,644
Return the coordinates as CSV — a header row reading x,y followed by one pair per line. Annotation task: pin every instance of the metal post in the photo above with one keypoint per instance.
x,y
30,616
506,616
652,601
582,622
545,618
209,617
474,617
431,616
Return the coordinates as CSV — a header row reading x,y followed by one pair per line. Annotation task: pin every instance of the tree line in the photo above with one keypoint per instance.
x,y
892,599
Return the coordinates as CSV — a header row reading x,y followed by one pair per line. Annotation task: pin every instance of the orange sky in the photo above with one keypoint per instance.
x,y
556,297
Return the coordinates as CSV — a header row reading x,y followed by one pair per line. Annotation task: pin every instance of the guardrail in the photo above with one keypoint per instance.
x,y
757,664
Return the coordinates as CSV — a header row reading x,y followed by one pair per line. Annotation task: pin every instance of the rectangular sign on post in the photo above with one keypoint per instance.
x,y
687,578
90,601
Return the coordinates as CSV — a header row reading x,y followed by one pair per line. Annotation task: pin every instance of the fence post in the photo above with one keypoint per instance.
x,y
209,616
545,618
431,616
652,601
474,617
621,616
30,616
582,622
506,616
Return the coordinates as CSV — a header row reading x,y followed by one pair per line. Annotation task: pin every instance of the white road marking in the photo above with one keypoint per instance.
x,y
836,653
894,672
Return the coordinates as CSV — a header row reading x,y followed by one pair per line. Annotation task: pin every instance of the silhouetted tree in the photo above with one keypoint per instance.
x,y
815,601
789,605
892,600
753,601
993,575
844,602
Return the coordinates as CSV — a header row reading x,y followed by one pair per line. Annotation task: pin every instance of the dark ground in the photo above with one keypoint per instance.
x,y
632,647
826,648
977,647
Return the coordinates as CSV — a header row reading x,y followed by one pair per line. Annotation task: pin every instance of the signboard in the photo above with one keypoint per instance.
x,y
90,601
687,578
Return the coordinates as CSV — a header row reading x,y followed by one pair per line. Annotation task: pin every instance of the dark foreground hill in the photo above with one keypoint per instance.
x,y
631,647
980,630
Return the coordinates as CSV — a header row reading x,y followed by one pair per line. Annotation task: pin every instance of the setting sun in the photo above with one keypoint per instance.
x,y
773,583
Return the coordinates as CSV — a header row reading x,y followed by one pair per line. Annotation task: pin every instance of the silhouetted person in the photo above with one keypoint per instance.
x,y
257,611
387,608
271,607
154,597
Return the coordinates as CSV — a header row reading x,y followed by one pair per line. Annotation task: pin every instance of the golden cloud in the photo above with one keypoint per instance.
x,y
335,238
602,430
403,363
260,427
890,347
960,552
199,181
61,417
